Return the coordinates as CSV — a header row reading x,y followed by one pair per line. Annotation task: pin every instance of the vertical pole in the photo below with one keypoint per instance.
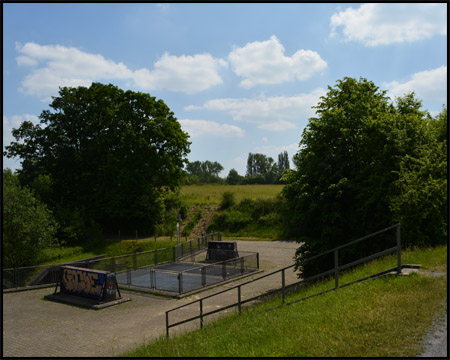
x,y
239,299
156,256
257,261
336,272
399,251
167,323
203,275
224,270
283,283
201,314
180,282
135,260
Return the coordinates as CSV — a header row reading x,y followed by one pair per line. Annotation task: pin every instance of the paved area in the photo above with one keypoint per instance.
x,y
436,340
33,327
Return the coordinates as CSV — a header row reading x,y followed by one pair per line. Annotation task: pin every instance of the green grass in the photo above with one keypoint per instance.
x,y
212,193
386,317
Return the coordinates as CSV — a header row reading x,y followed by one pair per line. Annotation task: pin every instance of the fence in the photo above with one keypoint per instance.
x,y
49,274
183,277
336,269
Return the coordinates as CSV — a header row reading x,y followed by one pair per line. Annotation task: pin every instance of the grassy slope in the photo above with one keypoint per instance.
x,y
212,193
382,318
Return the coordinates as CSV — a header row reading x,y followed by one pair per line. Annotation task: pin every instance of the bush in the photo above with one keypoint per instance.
x,y
227,200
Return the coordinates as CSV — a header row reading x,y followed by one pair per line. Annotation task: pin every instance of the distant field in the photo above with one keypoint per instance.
x,y
212,193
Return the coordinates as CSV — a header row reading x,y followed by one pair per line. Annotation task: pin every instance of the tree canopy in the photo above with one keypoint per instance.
x,y
105,154
358,160
28,226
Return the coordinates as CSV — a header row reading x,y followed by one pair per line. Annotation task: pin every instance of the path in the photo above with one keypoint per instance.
x,y
33,327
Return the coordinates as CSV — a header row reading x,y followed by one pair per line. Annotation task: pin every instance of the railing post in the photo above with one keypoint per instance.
x,y
336,272
180,282
201,313
239,299
203,275
174,253
257,261
399,251
156,256
167,323
283,283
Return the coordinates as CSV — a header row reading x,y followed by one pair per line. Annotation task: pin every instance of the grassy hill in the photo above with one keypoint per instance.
x,y
386,317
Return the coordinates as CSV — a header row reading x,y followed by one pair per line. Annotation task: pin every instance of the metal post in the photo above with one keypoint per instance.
x,y
167,323
283,283
201,313
224,270
399,251
203,275
336,272
257,261
180,282
239,299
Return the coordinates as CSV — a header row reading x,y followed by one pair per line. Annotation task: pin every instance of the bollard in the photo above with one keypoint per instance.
x,y
283,283
239,299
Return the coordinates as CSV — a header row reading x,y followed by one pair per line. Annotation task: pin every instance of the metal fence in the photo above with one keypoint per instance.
x,y
184,277
50,274
336,268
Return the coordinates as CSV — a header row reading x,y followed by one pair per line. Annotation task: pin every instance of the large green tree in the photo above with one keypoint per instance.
x,y
108,154
348,169
28,226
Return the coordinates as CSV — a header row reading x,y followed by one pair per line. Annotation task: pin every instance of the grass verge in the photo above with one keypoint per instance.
x,y
386,317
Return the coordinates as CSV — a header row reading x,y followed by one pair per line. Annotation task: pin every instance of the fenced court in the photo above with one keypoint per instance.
x,y
22,277
186,276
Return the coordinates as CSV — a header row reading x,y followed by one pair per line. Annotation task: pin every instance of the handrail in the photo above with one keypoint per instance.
x,y
334,271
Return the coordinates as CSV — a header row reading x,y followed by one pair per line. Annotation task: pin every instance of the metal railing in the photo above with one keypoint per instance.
x,y
283,289
49,274
184,277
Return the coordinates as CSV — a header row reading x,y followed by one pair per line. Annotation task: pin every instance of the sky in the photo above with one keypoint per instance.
x,y
240,78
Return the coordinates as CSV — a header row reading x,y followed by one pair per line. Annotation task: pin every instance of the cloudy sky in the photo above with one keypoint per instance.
x,y
240,78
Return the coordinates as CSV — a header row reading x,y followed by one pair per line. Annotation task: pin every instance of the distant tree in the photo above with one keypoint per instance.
x,y
109,155
28,226
204,172
261,169
283,162
233,177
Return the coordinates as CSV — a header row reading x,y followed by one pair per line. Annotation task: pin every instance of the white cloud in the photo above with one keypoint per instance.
x,y
427,85
270,113
54,66
265,63
280,125
189,74
382,24
197,128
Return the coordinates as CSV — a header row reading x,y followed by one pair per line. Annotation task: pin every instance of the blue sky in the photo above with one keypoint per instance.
x,y
240,78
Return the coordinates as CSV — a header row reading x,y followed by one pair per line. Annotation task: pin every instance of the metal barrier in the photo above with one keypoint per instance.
x,y
186,277
49,274
283,289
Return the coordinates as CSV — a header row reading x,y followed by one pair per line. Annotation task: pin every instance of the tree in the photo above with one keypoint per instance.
x,y
28,226
204,172
233,177
109,154
261,169
347,168
283,162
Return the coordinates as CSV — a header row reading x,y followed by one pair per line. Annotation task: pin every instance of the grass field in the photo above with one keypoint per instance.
x,y
386,317
212,193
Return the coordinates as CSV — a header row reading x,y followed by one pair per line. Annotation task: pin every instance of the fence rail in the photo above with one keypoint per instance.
x,y
283,289
49,274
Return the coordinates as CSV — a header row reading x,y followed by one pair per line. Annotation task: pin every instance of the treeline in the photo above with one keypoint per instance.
x,y
261,169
